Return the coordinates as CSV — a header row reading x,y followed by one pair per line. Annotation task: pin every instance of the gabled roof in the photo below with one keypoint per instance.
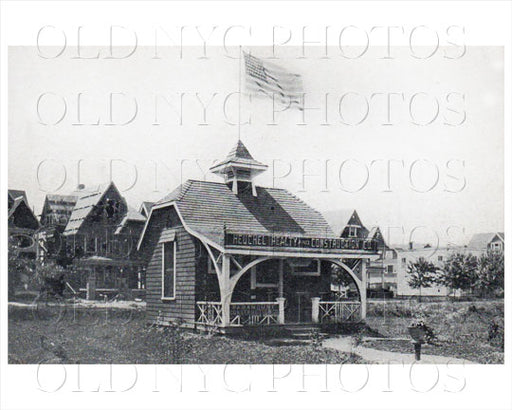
x,y
148,205
17,193
134,215
376,234
83,207
20,205
340,218
479,241
210,209
19,200
131,216
145,207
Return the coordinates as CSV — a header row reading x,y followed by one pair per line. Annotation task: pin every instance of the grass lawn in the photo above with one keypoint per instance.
x,y
95,335
462,328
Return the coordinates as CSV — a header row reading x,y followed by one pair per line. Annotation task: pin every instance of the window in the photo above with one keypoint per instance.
x,y
168,270
265,274
352,231
390,268
305,267
440,258
404,261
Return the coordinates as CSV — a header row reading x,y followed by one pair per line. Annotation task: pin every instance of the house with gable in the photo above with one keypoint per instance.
x,y
232,254
381,271
22,224
487,242
99,238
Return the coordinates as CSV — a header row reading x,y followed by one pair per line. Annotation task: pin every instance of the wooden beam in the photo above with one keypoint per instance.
x,y
236,262
281,278
225,290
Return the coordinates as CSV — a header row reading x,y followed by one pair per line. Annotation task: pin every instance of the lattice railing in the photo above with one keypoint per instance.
x,y
254,313
210,313
339,312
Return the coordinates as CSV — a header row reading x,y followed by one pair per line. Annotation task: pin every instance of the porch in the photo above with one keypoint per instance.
x,y
273,313
281,280
97,277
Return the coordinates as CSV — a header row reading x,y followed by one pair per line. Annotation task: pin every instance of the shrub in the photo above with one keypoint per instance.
x,y
496,334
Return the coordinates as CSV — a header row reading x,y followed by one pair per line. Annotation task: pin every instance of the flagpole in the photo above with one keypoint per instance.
x,y
239,90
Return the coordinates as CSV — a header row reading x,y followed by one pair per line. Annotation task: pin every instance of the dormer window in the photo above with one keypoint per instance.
x,y
352,231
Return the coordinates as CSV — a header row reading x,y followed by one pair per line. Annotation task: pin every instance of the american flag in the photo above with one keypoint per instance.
x,y
273,81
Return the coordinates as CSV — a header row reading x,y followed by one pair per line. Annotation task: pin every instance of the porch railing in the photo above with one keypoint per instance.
x,y
339,312
210,313
254,313
242,313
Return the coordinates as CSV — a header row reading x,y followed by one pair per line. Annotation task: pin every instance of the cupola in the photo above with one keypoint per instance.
x,y
239,169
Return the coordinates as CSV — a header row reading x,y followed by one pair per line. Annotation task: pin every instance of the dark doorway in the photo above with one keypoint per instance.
x,y
298,308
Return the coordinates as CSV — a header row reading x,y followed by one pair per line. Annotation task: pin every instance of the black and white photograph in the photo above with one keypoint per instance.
x,y
307,204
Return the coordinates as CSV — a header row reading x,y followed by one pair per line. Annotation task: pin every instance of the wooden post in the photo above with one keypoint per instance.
x,y
315,310
364,280
280,317
281,278
91,285
225,290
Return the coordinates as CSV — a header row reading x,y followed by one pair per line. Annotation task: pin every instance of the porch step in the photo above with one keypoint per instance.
x,y
302,331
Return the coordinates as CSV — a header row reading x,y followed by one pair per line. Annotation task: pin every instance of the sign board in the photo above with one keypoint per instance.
x,y
300,242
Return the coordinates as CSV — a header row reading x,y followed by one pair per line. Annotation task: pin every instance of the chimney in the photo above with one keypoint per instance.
x,y
410,246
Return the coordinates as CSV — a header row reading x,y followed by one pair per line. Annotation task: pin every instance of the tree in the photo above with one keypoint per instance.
x,y
340,277
31,274
491,274
422,274
459,272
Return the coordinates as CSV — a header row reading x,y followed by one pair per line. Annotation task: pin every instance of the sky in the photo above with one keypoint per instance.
x,y
437,122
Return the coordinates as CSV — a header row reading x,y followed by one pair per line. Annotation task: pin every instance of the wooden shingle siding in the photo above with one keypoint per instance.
x,y
183,306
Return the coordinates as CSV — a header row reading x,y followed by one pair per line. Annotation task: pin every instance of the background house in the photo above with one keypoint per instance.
x,y
22,224
484,242
22,248
93,232
54,217
381,272
436,255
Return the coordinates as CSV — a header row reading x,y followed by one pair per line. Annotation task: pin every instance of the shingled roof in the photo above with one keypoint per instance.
x,y
239,154
83,207
211,208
